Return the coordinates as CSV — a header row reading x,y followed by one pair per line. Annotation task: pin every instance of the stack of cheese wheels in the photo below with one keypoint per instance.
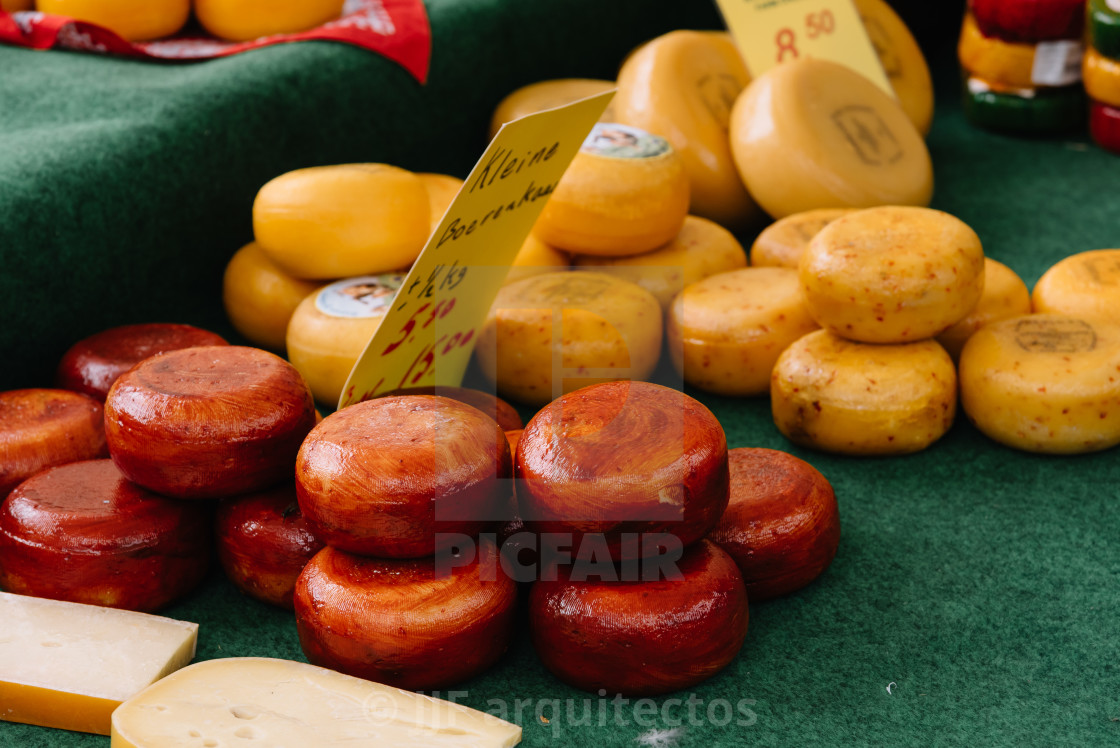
x,y
405,593
882,283
1022,65
1101,72
630,476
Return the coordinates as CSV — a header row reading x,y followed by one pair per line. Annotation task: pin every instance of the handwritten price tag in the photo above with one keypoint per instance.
x,y
428,336
770,32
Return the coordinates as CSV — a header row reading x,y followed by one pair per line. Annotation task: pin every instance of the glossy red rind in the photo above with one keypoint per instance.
x,y
782,525
93,364
208,422
398,477
620,458
492,405
1104,125
1030,21
401,623
264,542
83,533
42,428
642,638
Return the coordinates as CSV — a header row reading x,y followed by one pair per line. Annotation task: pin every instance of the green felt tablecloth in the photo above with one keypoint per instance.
x,y
975,598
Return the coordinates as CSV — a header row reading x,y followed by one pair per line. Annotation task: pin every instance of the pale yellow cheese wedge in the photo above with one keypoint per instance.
x,y
626,192
892,274
247,701
1044,383
1005,295
534,258
536,97
814,134
550,334
1083,285
859,399
682,86
782,243
442,189
68,666
338,221
260,297
331,328
703,248
726,332
902,60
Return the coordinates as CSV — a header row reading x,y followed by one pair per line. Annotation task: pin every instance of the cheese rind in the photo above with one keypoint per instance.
x,y
68,666
294,705
726,332
902,60
442,189
814,134
1005,295
703,248
782,243
1085,285
1044,383
682,86
260,298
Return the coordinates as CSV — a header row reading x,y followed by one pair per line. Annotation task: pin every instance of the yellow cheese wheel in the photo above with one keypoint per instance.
x,y
609,329
134,20
537,97
1044,383
893,274
703,248
726,332
682,86
1083,285
335,221
814,134
782,243
12,6
242,20
330,329
442,189
626,192
859,399
535,258
1007,64
1005,295
260,297
902,60
1102,77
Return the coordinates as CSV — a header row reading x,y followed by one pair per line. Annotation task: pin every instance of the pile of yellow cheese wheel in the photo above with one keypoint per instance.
x,y
234,20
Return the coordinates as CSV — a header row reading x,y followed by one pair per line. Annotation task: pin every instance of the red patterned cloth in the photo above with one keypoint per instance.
x,y
397,29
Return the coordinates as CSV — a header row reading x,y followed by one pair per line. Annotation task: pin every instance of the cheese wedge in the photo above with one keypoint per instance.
x,y
282,704
68,666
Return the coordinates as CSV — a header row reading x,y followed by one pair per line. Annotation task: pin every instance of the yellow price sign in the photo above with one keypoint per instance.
x,y
770,32
428,335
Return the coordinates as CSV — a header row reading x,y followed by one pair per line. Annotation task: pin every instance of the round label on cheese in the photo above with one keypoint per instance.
x,y
622,141
367,296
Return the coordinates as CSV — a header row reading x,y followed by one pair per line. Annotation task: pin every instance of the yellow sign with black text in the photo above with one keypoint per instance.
x,y
428,335
770,32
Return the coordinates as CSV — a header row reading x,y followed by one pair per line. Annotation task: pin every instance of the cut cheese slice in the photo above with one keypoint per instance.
x,y
68,666
537,97
259,701
1044,383
814,134
702,249
1085,285
682,86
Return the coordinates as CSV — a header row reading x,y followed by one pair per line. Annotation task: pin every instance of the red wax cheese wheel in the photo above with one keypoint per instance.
x,y
622,458
43,428
642,638
264,542
83,533
495,407
92,365
1104,124
1030,21
402,477
209,422
782,524
407,623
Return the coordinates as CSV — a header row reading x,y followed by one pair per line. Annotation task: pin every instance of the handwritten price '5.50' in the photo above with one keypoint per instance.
x,y
816,25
